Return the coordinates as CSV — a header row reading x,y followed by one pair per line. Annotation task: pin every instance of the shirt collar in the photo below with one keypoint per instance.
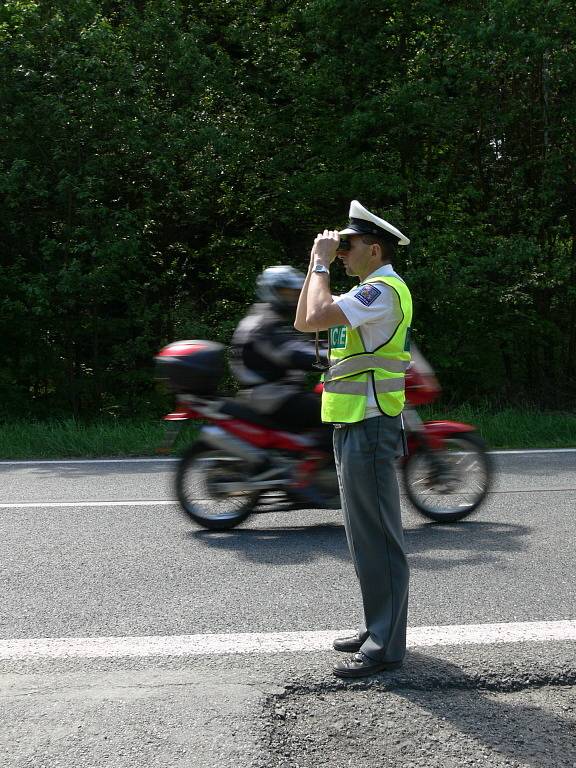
x,y
386,270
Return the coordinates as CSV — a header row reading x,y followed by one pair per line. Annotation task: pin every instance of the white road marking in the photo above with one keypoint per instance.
x,y
56,504
273,642
507,451
41,462
159,460
169,502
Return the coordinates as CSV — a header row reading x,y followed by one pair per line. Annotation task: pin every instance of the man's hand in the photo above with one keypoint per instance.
x,y
317,310
324,248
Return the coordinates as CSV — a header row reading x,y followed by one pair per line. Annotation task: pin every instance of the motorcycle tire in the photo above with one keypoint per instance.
x,y
435,480
201,479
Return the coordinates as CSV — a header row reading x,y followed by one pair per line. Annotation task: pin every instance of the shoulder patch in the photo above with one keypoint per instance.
x,y
367,294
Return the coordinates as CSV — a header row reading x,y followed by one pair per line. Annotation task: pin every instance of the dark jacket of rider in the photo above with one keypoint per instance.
x,y
269,358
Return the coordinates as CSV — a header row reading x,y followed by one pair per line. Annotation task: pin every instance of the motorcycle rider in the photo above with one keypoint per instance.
x,y
270,359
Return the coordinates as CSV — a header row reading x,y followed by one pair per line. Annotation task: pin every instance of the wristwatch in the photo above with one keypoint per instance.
x,y
321,269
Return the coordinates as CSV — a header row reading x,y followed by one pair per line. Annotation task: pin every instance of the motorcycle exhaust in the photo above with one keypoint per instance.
x,y
224,441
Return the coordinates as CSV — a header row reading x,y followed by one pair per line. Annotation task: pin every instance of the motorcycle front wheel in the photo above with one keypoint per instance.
x,y
449,483
213,488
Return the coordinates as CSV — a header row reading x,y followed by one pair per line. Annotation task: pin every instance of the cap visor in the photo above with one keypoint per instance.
x,y
395,235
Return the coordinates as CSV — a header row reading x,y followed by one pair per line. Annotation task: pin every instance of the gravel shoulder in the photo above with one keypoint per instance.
x,y
510,705
532,727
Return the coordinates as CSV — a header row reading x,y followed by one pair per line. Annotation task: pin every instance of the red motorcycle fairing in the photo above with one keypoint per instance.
x,y
435,432
183,415
267,438
261,437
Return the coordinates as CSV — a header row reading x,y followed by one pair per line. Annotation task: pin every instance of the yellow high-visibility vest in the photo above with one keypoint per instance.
x,y
354,369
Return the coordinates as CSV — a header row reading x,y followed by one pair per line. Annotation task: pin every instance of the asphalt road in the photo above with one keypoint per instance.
x,y
72,569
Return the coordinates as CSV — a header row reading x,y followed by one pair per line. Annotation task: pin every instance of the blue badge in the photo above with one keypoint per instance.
x,y
367,294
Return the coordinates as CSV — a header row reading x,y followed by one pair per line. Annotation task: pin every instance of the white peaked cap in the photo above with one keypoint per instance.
x,y
362,222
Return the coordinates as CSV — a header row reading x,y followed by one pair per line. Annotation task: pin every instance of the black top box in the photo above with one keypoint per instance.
x,y
192,367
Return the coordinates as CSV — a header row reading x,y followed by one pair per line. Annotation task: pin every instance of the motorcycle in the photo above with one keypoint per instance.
x,y
241,459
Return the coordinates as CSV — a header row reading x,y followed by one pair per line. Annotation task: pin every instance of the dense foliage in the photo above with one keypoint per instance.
x,y
156,154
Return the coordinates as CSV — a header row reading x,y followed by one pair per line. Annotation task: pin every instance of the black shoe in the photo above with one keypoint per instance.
x,y
350,644
360,665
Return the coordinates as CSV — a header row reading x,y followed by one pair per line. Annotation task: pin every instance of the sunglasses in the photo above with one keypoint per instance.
x,y
344,244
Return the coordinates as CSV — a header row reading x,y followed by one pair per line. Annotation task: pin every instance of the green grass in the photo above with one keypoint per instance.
x,y
71,439
513,428
505,428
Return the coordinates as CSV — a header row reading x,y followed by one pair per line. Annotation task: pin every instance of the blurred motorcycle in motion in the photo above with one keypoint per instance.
x,y
240,459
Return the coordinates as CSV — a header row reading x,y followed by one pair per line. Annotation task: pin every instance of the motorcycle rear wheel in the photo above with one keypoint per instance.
x,y
448,484
201,480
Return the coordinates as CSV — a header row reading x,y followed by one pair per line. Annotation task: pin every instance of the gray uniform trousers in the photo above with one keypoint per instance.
x,y
365,453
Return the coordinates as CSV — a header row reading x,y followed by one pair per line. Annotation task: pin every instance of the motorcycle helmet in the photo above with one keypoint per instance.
x,y
271,283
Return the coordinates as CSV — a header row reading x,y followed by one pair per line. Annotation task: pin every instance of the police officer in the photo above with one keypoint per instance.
x,y
369,330
270,360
